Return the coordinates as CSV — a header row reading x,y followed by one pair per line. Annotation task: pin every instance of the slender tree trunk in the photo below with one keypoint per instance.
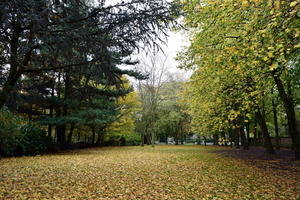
x,y
255,131
93,136
176,136
236,138
243,136
152,128
275,121
78,136
264,130
143,138
290,111
248,133
181,134
58,113
69,139
51,114
167,137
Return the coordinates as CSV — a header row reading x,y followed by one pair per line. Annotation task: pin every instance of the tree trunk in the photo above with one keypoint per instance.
x,y
167,138
152,129
255,132
176,136
69,139
236,138
290,111
264,130
93,136
15,70
248,132
143,138
243,136
275,121
181,134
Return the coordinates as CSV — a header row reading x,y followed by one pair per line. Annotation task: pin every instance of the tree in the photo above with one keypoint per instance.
x,y
254,39
171,115
156,66
55,35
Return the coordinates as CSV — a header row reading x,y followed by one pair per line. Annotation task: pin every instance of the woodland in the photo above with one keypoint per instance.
x,y
86,92
66,65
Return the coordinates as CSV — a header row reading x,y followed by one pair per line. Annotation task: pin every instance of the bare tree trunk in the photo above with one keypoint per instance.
x,y
290,111
275,121
264,130
69,139
255,132
152,129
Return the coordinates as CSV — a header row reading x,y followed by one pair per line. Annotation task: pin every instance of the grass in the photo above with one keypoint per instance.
x,y
163,172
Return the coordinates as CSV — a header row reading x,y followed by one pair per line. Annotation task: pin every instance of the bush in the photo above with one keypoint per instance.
x,y
35,140
10,136
18,138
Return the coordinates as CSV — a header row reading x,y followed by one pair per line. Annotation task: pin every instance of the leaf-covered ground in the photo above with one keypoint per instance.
x,y
163,172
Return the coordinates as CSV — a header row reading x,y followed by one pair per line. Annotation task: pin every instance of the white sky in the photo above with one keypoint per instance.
x,y
174,43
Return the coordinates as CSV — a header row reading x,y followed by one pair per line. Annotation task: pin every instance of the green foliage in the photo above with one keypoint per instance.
x,y
10,135
18,138
35,140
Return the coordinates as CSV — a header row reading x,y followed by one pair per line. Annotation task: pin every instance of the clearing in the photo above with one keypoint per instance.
x,y
163,172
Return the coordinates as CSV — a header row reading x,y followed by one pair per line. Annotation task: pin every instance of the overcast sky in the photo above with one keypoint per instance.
x,y
174,43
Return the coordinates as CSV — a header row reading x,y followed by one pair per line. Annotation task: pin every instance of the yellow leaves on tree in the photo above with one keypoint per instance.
x,y
128,106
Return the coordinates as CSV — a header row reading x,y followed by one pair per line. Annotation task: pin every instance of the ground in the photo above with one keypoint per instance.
x,y
283,160
162,172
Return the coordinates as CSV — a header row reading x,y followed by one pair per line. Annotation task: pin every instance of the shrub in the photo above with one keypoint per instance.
x,y
10,136
35,140
18,138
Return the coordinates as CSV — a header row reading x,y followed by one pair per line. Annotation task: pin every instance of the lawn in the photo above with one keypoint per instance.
x,y
163,172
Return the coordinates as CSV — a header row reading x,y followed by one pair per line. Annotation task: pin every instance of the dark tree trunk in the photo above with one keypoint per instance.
x,y
143,138
181,134
248,132
255,132
78,136
236,138
243,136
290,111
216,139
51,114
69,139
15,70
176,137
231,136
275,121
93,136
166,138
204,140
264,130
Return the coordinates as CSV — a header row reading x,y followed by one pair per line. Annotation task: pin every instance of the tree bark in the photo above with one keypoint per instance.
x,y
93,136
248,133
264,130
255,131
236,138
290,111
243,136
69,139
152,128
15,70
275,121
143,138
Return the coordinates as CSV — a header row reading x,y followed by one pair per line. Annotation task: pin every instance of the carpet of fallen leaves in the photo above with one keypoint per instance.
x,y
162,172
